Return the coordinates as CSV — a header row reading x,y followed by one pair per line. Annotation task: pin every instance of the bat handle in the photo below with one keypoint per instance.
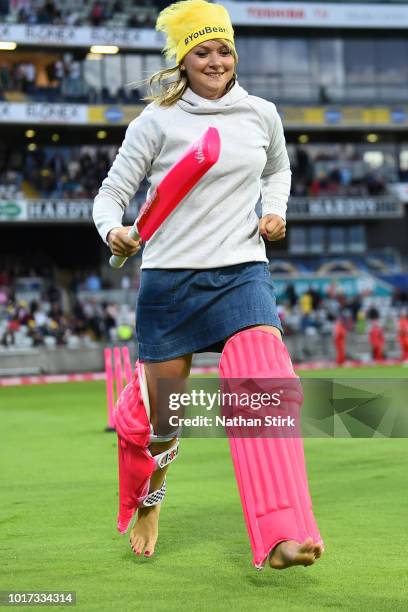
x,y
116,261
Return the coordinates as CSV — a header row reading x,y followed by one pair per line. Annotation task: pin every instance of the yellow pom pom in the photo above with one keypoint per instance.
x,y
189,23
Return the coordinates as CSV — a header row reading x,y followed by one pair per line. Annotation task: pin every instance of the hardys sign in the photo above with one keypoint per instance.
x,y
13,210
340,208
59,210
55,210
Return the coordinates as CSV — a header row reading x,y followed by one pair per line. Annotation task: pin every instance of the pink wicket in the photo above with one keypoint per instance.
x,y
116,374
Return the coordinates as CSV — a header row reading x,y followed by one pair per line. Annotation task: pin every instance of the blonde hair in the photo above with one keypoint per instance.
x,y
166,92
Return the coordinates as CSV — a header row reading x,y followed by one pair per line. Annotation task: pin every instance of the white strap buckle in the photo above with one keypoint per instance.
x,y
167,456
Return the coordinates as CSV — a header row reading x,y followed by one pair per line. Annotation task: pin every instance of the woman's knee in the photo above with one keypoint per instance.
x,y
164,378
174,368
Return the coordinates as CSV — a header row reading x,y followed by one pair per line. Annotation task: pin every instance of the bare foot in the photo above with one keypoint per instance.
x,y
291,553
143,536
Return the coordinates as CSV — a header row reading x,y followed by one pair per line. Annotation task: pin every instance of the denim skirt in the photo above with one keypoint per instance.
x,y
191,311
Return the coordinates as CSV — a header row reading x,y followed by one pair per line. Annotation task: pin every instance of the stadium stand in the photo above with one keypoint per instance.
x,y
109,13
342,93
78,171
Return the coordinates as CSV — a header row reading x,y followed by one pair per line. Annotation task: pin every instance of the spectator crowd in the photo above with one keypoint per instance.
x,y
86,316
332,175
62,80
79,176
34,324
317,317
131,13
45,321
54,173
77,172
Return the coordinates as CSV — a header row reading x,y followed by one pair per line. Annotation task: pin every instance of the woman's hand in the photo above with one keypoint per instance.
x,y
120,242
272,227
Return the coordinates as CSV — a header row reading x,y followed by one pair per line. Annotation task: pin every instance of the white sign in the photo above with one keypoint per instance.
x,y
56,210
56,114
400,190
59,210
13,210
344,207
320,15
83,36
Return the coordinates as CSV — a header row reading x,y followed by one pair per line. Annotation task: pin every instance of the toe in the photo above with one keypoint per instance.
x,y
318,550
305,559
307,546
137,545
149,549
306,553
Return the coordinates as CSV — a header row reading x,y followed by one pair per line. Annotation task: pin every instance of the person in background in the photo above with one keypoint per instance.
x,y
339,339
377,340
403,335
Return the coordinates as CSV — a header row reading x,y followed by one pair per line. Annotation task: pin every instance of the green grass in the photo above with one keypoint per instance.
x,y
393,371
59,502
379,372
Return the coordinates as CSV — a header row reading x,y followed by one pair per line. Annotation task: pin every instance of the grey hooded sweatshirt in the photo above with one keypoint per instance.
x,y
216,224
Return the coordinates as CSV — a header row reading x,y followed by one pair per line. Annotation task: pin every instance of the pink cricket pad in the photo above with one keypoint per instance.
x,y
136,464
270,472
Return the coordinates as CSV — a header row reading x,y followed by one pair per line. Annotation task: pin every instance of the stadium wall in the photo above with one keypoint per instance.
x,y
90,359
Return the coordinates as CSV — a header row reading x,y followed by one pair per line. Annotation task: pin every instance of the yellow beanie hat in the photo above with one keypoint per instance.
x,y
189,23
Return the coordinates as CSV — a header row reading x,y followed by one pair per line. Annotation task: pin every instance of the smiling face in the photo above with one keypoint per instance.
x,y
210,67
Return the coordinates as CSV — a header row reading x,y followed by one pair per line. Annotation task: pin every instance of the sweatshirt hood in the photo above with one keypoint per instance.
x,y
192,103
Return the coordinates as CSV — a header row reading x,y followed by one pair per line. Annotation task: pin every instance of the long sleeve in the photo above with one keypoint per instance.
x,y
131,165
276,176
253,159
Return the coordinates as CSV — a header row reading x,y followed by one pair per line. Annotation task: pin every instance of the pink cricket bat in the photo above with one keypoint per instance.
x,y
178,182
